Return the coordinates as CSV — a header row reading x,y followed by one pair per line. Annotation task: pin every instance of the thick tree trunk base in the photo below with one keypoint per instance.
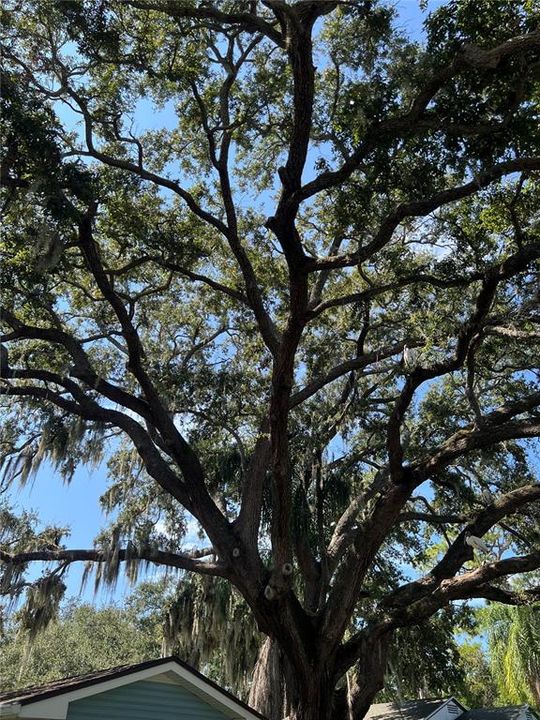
x,y
279,693
267,693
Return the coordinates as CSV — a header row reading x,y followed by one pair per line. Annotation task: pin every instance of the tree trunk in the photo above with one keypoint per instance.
x,y
280,691
311,690
267,692
315,702
535,686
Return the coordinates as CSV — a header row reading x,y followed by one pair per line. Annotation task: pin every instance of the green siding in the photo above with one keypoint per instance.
x,y
143,700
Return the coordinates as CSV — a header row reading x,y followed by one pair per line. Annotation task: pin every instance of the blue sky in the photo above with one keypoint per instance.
x,y
77,504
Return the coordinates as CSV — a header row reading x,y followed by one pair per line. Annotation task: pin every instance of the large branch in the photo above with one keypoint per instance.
x,y
297,22
370,672
248,22
493,277
472,584
348,366
195,495
220,161
88,409
375,291
459,552
229,231
253,483
469,57
425,206
362,546
207,511
505,595
82,368
467,585
187,561
266,326
364,543
469,440
247,572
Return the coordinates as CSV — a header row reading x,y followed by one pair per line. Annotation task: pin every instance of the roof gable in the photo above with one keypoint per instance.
x,y
147,700
52,701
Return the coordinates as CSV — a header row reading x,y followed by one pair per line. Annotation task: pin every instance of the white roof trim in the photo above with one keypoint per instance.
x,y
56,707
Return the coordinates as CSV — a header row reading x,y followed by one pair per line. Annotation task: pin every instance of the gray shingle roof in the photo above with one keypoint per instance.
x,y
409,710
421,709
509,712
50,689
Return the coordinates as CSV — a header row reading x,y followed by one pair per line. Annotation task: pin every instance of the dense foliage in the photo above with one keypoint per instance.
x,y
278,263
80,640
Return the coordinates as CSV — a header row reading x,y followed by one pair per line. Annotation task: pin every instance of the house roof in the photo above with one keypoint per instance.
x,y
408,710
508,712
422,709
70,684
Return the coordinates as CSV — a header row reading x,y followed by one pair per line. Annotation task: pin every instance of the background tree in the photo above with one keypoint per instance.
x,y
220,307
479,689
514,652
82,639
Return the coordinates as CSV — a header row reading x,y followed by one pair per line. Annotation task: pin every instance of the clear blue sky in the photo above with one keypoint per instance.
x,y
77,504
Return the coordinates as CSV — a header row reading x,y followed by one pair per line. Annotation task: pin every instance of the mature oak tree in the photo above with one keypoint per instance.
x,y
220,304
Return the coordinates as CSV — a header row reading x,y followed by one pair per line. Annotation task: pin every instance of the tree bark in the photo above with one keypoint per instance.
x,y
280,691
318,688
267,689
315,702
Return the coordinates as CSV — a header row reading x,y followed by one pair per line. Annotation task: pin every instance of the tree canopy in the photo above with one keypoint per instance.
x,y
278,263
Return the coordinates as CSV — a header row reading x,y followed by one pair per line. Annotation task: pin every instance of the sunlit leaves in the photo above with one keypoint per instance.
x,y
513,643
